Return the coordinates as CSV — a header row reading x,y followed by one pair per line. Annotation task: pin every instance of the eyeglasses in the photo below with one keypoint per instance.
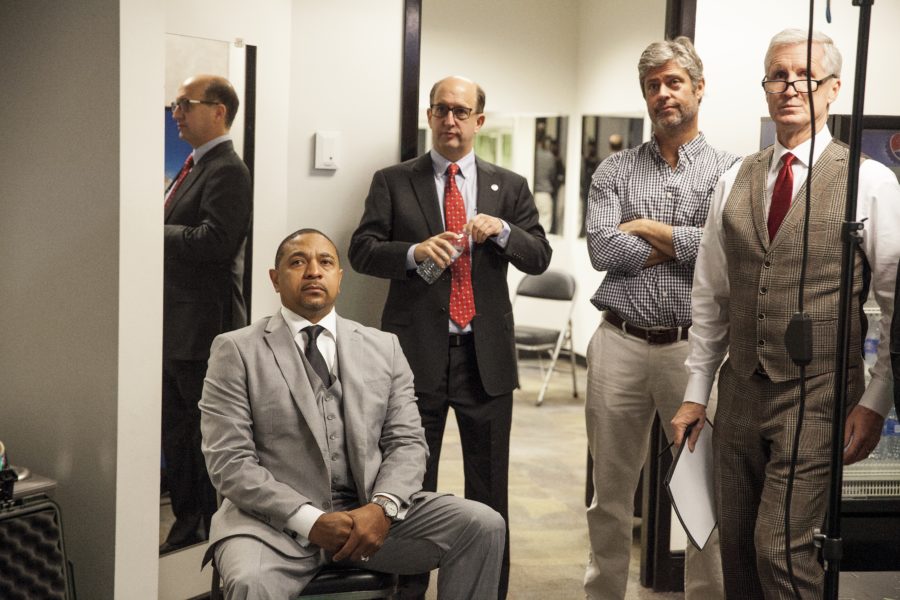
x,y
801,86
185,104
460,113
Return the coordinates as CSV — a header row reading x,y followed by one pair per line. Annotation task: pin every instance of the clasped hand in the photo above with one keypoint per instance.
x,y
351,534
439,248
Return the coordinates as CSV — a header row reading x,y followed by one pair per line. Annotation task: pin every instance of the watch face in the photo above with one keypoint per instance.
x,y
390,509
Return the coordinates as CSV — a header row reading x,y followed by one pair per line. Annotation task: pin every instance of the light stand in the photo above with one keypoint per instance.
x,y
830,539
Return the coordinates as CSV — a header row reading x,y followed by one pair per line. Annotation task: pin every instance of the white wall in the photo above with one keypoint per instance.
x,y
344,77
521,51
735,101
141,69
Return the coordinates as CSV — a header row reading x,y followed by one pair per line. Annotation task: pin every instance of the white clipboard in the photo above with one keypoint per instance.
x,y
690,483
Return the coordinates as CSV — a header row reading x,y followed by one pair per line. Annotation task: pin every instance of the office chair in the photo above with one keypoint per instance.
x,y
543,314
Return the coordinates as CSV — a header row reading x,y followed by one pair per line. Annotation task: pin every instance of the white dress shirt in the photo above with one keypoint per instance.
x,y
878,208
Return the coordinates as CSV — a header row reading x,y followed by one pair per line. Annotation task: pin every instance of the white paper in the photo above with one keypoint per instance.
x,y
691,488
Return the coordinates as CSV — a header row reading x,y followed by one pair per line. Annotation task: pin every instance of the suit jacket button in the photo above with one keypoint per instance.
x,y
326,505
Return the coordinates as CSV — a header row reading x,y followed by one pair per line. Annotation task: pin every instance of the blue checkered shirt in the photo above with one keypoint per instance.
x,y
638,183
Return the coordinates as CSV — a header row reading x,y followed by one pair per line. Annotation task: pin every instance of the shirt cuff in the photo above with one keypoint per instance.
x,y
878,396
301,523
410,258
401,508
502,238
698,388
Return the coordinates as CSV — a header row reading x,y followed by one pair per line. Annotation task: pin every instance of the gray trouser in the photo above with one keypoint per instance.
x,y
464,538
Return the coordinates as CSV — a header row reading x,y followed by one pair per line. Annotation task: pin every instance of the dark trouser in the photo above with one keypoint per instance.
x,y
193,496
484,425
752,441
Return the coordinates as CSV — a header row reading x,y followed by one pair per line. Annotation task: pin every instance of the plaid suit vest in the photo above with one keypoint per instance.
x,y
764,274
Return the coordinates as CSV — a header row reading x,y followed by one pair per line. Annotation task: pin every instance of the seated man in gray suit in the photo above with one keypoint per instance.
x,y
312,437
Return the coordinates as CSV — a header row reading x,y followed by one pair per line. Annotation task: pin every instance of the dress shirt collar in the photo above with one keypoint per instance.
x,y
200,151
801,151
298,323
466,164
688,151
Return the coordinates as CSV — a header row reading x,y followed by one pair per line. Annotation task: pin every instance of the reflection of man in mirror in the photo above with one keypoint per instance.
x,y
207,216
545,173
313,439
457,332
746,292
646,210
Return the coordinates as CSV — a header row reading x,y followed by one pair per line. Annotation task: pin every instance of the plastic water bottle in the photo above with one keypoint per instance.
x,y
870,345
430,271
889,446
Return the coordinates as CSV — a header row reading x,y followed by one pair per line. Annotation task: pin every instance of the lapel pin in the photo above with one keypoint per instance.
x,y
495,187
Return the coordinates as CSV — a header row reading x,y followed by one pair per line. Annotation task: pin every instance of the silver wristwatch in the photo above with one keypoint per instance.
x,y
389,507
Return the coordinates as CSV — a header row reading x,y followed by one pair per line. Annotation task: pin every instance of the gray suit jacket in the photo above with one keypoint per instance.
x,y
264,437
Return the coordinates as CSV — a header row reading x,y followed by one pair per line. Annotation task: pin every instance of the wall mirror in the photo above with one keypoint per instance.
x,y
187,56
600,137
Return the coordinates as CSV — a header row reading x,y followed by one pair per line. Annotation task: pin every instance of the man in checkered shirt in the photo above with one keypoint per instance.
x,y
646,211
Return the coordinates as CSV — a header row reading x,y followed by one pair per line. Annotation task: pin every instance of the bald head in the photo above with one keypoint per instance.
x,y
216,89
455,115
455,80
615,142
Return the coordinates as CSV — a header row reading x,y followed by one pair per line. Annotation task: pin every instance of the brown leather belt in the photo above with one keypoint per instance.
x,y
651,336
460,339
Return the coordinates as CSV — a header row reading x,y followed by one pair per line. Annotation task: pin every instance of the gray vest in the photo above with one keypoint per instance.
x,y
764,274
330,402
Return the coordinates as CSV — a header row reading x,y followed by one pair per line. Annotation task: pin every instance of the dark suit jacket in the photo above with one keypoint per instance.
x,y
263,431
402,209
206,227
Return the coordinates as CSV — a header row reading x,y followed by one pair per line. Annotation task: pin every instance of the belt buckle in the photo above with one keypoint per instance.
x,y
657,338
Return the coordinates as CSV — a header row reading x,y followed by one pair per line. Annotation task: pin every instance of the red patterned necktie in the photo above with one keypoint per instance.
x,y
462,299
781,195
185,169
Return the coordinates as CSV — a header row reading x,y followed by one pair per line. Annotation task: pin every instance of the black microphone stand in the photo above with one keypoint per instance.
x,y
830,540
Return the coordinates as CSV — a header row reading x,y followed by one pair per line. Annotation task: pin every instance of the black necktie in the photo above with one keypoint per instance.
x,y
313,355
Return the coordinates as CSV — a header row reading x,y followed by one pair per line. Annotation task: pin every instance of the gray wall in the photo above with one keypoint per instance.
x,y
59,251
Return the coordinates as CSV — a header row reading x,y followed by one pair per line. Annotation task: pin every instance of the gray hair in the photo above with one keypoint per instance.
x,y
681,50
831,60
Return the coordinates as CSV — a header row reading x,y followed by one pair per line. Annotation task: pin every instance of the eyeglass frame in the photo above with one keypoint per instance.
x,y
793,84
185,102
435,108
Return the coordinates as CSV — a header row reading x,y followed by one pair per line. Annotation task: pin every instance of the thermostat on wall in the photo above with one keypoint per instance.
x,y
327,148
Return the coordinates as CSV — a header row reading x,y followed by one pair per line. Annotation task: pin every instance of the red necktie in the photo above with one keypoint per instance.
x,y
781,195
462,299
185,169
